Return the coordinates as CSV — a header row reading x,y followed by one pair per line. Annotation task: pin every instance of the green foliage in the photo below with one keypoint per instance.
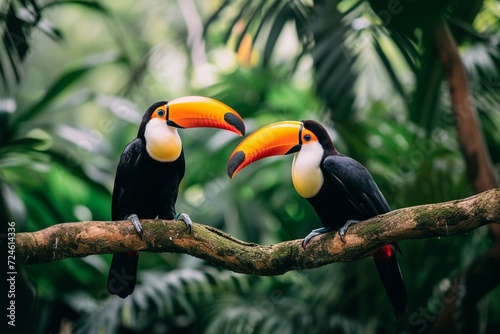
x,y
18,19
62,130
171,301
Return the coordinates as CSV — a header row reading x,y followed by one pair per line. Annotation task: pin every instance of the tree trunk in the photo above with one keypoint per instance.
x,y
479,278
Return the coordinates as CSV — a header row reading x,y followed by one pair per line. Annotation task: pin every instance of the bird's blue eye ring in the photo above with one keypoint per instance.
x,y
307,137
160,112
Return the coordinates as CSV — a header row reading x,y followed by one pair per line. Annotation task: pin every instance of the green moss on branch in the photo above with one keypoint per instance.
x,y
215,246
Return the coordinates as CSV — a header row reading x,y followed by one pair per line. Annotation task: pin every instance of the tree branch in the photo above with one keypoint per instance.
x,y
86,238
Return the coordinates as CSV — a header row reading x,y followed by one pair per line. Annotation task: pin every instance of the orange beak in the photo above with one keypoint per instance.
x,y
275,139
199,111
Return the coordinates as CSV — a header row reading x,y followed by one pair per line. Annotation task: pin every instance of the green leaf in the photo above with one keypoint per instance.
x,y
48,29
390,70
423,110
164,296
236,19
333,61
278,24
93,5
269,14
214,17
253,15
63,83
78,171
21,144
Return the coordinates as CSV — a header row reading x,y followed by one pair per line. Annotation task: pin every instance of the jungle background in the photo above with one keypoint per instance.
x,y
76,77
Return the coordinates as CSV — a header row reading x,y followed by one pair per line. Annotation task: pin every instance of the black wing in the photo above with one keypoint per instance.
x,y
129,160
357,184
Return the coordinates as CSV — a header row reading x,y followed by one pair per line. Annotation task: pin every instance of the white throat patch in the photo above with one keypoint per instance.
x,y
162,141
307,176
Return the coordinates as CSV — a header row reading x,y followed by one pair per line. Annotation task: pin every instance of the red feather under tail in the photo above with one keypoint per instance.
x,y
391,277
123,273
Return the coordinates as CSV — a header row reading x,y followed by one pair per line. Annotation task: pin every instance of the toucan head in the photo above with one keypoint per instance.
x,y
161,120
307,139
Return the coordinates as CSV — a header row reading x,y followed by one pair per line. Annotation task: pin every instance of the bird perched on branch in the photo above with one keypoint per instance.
x,y
151,168
340,189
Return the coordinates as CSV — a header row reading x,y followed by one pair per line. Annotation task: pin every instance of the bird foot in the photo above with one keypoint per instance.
x,y
185,218
314,233
137,224
343,229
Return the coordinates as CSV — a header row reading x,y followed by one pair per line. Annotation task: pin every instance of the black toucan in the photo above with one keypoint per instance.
x,y
338,187
151,168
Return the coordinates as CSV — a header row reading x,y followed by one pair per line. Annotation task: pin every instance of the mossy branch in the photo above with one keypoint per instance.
x,y
96,237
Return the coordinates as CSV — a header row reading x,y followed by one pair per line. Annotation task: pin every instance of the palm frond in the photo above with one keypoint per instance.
x,y
297,302
168,298
256,16
333,59
331,35
18,19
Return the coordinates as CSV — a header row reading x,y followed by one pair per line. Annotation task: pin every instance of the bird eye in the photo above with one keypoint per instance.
x,y
307,137
160,112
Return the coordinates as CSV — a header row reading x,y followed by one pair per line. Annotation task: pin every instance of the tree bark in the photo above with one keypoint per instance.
x,y
86,238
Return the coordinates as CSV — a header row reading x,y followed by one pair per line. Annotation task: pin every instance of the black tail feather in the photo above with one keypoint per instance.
x,y
392,280
123,273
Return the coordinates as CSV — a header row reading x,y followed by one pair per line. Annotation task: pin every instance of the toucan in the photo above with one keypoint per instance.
x,y
339,188
152,166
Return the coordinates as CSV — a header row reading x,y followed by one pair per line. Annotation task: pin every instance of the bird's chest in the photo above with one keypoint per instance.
x,y
153,191
149,189
163,143
159,177
307,176
332,206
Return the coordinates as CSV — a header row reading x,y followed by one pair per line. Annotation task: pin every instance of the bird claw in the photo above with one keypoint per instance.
x,y
134,219
343,229
185,218
314,233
